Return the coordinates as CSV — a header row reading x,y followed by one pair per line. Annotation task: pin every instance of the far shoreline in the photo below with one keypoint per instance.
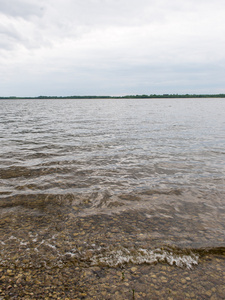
x,y
151,96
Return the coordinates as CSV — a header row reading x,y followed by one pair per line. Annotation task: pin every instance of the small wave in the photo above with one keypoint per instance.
x,y
33,200
114,258
47,253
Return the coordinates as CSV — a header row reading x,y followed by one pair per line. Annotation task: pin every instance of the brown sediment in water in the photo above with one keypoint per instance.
x,y
205,281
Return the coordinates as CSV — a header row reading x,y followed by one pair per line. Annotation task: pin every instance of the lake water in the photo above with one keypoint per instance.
x,y
111,182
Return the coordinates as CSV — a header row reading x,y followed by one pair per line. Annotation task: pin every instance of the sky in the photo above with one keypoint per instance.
x,y
111,47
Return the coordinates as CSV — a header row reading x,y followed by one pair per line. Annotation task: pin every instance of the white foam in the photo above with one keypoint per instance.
x,y
123,256
50,245
23,243
12,238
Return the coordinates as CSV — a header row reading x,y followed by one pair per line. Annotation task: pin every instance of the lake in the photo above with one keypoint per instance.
x,y
113,186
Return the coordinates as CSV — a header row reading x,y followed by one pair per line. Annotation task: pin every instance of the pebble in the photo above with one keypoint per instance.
x,y
133,269
188,278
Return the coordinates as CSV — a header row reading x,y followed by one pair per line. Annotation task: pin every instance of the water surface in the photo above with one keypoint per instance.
x,y
110,182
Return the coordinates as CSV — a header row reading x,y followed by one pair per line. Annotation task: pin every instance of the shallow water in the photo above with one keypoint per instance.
x,y
111,182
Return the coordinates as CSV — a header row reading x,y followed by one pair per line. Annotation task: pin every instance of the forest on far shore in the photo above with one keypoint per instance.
x,y
124,97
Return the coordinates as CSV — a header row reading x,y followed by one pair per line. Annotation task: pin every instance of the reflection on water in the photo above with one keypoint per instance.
x,y
110,182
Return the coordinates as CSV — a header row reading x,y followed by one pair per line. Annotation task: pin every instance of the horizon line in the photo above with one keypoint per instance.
x,y
221,95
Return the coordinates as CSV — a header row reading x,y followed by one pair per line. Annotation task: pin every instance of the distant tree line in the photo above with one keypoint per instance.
x,y
124,97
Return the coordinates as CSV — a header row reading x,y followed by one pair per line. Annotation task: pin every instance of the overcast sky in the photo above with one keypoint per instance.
x,y
111,47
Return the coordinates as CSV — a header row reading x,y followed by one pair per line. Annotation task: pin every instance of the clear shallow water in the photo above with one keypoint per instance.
x,y
111,181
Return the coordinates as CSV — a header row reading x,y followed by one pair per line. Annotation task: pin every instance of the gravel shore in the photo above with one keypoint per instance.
x,y
160,281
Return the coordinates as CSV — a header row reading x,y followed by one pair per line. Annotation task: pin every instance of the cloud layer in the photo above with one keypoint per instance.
x,y
110,47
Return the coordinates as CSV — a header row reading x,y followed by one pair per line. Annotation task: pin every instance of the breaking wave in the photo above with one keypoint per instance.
x,y
48,254
123,256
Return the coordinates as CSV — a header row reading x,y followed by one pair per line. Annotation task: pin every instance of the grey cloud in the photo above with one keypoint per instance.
x,y
94,13
112,46
20,24
9,36
21,8
122,12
